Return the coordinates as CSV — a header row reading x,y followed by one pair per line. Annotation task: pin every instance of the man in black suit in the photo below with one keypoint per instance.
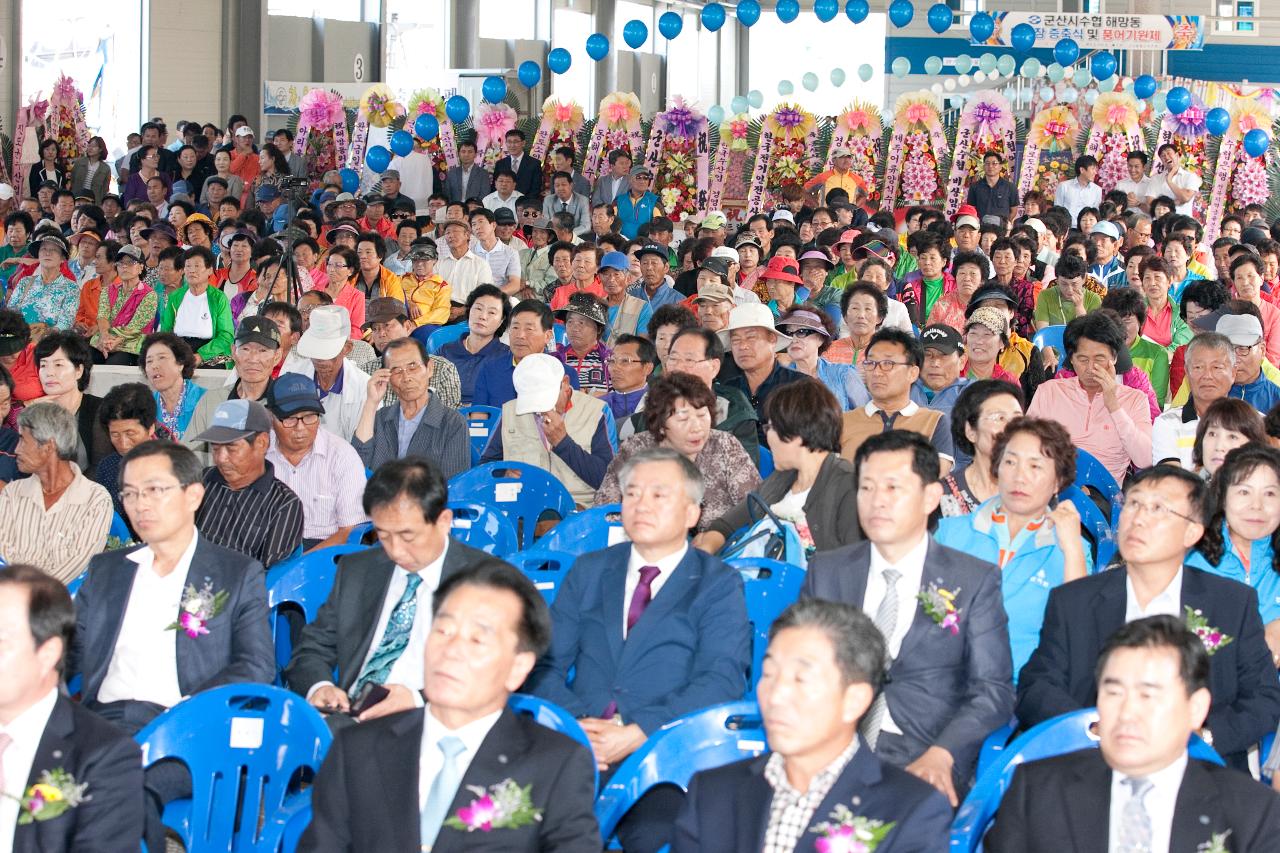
x,y
950,676
527,170
374,624
414,780
43,732
468,179
825,662
1159,523
1140,790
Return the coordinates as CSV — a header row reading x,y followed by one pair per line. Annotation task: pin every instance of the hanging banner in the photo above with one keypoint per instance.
x,y
1102,31
733,139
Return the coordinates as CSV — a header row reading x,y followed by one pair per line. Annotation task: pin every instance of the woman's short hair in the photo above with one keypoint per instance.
x,y
969,406
182,352
1055,444
806,410
671,315
1127,302
1232,414
51,422
666,390
868,289
491,291
73,346
1238,466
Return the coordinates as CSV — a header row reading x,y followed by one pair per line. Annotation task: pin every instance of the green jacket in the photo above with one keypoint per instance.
x,y
224,329
1153,360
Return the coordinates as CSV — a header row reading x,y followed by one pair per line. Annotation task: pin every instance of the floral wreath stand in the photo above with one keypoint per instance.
x,y
917,149
617,127
860,130
1238,179
785,155
679,156
1114,134
1049,152
986,126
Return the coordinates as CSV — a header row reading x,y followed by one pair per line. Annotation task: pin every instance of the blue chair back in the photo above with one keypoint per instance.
x,y
1098,525
708,738
520,492
560,336
553,717
247,746
302,583
445,335
357,534
766,462
119,529
1091,472
481,526
586,530
289,823
770,586
1067,733
545,568
1050,336
481,422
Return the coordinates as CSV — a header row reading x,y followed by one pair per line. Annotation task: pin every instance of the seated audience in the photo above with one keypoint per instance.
x,y
342,385
754,342
388,320
864,307
631,364
168,363
128,414
57,518
980,415
487,313
1252,384
199,313
1148,356
585,320
127,310
970,271
940,382
1227,424
1210,368
65,363
530,332
8,436
811,332
1067,298
256,352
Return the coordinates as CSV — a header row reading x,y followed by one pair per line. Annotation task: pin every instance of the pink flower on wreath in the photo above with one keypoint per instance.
x,y
480,814
563,113
426,108
192,624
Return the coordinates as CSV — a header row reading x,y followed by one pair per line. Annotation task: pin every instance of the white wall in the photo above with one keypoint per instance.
x,y
186,60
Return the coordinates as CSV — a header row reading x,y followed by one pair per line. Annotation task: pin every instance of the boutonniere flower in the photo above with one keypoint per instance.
x,y
1212,637
197,608
845,832
55,793
1217,843
940,605
505,805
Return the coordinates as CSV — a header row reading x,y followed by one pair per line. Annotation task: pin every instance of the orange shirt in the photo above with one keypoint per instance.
x,y
560,298
87,313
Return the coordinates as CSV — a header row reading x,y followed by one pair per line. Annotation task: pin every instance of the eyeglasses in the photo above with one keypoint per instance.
x,y
614,360
1001,418
308,419
336,265
805,333
151,493
408,368
1244,351
1156,512
684,360
882,366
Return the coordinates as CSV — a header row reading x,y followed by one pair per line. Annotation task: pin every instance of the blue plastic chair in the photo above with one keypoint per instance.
x,y
357,534
560,336
445,335
302,583
520,492
1050,336
290,822
1091,472
771,587
481,526
119,528
1098,525
481,422
247,746
586,530
712,737
993,745
1067,733
553,717
766,462
545,568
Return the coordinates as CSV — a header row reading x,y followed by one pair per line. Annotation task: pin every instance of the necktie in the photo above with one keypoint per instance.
x,y
886,620
394,638
5,740
1135,823
639,601
443,789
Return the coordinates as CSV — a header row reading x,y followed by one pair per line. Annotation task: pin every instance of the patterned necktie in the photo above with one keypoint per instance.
x,y
1135,823
443,789
394,638
886,620
639,601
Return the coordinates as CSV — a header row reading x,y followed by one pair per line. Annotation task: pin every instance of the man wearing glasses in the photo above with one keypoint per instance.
x,y
889,368
1160,521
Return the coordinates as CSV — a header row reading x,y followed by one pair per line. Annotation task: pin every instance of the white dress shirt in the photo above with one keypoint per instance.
x,y
1140,189
665,567
1162,184
911,566
26,731
431,759
1075,197
493,201
1160,802
1167,603
144,663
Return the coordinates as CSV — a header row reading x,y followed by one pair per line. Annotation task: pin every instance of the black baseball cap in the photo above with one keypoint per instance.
x,y
259,330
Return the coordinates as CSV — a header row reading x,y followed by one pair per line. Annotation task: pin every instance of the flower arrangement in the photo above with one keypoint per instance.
x,y
56,793
65,120
380,105
443,148
845,832
940,605
560,123
617,127
1049,154
788,159
679,163
1238,179
322,131
492,123
1217,843
505,805
1187,133
1213,638
730,174
1114,134
859,129
198,606
790,122
986,126
916,150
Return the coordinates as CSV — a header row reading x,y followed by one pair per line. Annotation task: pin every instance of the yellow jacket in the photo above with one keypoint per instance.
x,y
431,295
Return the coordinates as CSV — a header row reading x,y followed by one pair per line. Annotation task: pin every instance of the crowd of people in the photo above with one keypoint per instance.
x,y
906,393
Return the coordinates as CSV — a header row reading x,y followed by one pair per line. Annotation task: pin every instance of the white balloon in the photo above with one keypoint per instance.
x,y
963,80
949,85
979,76
1091,97
936,88
1046,93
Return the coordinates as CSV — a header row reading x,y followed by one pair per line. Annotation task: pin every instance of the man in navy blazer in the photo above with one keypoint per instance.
x,y
44,732
1158,525
654,629
950,679
469,179
824,665
528,171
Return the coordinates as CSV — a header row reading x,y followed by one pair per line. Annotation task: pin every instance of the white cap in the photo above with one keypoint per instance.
x,y
783,215
537,379
725,252
6,192
753,316
244,130
330,328
1243,330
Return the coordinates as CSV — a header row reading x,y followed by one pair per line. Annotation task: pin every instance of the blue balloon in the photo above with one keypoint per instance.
x,y
597,46
530,73
981,26
739,104
378,158
1144,87
559,60
670,24
939,18
901,12
748,12
857,10
824,10
350,180
1217,121
458,108
1104,65
1066,51
1178,100
635,33
713,16
715,114
401,143
426,126
494,89
1256,142
788,10
1023,37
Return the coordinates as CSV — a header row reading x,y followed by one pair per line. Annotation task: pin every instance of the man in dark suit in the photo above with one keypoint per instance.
x,y
825,662
527,170
468,179
1159,523
950,679
1140,790
43,732
654,628
372,628
411,781
616,181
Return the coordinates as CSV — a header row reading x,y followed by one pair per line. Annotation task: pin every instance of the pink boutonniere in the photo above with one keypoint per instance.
x,y
845,832
1213,638
505,805
940,605
198,606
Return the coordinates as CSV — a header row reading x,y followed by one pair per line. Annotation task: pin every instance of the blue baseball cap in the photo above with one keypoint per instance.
x,y
292,393
267,192
615,261
234,420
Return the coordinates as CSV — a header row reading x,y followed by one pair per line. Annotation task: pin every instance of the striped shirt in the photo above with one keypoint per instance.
x,y
330,481
59,540
263,520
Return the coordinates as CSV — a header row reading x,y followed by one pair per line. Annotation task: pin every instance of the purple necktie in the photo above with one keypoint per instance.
x,y
639,601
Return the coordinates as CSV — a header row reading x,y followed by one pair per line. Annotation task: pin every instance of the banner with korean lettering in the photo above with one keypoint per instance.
x,y
1100,31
